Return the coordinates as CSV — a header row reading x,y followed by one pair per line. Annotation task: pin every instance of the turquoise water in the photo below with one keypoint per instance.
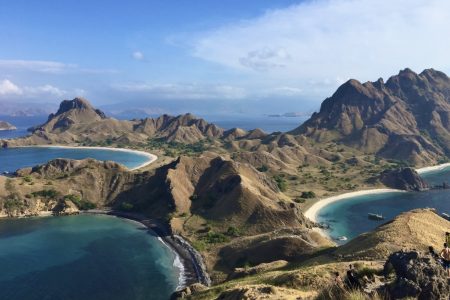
x,y
12,159
349,217
83,257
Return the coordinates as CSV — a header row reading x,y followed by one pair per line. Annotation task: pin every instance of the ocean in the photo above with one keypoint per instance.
x,y
12,159
83,257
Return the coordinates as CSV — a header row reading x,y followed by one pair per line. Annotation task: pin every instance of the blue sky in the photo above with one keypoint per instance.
x,y
277,55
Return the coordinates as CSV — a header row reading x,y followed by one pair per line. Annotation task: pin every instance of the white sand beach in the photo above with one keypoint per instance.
x,y
313,211
151,157
432,168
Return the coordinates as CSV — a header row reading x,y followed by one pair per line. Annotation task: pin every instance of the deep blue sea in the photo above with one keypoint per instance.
x,y
83,257
12,159
22,124
349,217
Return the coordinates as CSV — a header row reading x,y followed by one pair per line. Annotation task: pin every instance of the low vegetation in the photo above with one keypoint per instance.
x,y
82,204
174,149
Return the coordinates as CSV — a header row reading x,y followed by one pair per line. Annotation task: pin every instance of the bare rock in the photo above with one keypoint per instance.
x,y
417,275
404,179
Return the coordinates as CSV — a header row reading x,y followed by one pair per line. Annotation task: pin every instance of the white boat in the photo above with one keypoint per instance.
x,y
375,217
342,238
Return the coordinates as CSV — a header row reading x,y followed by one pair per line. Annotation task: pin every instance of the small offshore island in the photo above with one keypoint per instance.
x,y
239,207
6,126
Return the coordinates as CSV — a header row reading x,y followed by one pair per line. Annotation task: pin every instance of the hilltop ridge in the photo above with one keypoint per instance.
x,y
406,118
77,121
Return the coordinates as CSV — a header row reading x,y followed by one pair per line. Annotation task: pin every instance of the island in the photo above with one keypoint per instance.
x,y
239,206
6,126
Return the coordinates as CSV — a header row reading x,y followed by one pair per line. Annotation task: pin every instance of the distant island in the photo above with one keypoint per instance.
x,y
289,115
7,126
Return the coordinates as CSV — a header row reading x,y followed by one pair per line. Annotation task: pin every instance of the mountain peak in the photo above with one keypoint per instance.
x,y
407,71
77,104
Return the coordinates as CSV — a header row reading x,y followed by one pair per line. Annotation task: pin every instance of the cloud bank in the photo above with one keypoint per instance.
x,y
319,44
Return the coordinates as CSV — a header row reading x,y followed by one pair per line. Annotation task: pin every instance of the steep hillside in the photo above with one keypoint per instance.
x,y
406,118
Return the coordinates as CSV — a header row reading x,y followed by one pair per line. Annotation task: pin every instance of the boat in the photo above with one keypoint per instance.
x,y
342,238
375,217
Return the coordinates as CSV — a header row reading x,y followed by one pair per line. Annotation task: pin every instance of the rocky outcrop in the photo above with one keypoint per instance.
x,y
6,126
403,179
406,118
418,276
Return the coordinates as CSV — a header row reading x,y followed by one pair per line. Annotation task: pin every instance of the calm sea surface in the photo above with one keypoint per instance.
x,y
12,159
83,257
349,217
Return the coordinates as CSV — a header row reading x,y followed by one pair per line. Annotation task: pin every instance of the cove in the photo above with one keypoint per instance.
x,y
348,217
12,159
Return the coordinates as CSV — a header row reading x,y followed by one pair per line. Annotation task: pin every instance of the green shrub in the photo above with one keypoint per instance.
x,y
27,178
233,231
263,168
215,237
281,182
12,203
199,245
80,203
49,194
308,195
299,200
126,206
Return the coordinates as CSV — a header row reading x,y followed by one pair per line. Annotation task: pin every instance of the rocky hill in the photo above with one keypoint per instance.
x,y
414,230
405,118
77,121
6,126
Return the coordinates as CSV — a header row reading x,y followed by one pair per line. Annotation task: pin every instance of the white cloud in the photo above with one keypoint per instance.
x,y
45,89
265,59
342,39
9,88
36,65
184,91
52,67
138,55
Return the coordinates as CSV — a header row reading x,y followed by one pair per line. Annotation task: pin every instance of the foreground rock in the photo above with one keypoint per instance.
x,y
418,276
6,126
403,179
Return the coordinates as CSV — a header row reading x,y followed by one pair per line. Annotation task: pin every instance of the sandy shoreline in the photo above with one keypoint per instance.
x,y
151,157
313,211
432,168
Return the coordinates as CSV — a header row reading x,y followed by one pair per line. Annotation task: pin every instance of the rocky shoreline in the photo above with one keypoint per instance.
x,y
194,267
